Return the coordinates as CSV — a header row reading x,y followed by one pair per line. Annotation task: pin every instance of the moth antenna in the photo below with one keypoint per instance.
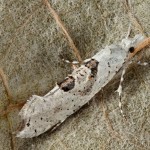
x,y
129,31
70,62
74,64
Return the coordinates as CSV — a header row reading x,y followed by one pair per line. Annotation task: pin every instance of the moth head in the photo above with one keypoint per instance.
x,y
129,43
131,49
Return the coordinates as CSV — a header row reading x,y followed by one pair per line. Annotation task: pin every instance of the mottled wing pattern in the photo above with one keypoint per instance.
x,y
40,114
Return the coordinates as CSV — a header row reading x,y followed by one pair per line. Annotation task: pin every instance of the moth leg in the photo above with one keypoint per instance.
x,y
119,90
121,109
142,63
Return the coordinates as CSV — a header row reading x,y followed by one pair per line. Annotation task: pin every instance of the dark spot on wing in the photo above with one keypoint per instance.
x,y
108,64
67,84
47,120
28,124
35,130
131,49
81,74
92,64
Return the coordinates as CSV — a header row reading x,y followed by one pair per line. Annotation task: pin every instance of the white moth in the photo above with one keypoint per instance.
x,y
40,114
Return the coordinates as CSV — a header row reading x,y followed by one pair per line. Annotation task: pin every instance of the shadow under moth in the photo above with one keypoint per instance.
x,y
40,114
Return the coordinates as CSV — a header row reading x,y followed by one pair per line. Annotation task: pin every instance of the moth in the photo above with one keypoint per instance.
x,y
40,114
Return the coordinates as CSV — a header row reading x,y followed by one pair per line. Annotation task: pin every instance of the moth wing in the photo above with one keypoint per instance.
x,y
42,113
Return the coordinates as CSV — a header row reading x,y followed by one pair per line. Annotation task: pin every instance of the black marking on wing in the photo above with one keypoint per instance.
x,y
93,65
68,84
108,64
28,124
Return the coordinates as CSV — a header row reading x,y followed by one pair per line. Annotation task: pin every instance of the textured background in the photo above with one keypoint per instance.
x,y
32,46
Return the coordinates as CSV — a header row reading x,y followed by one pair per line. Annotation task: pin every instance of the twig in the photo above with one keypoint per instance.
x,y
11,107
9,95
61,25
12,139
5,82
134,20
106,117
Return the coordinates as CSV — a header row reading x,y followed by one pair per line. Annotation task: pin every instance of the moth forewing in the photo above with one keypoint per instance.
x,y
43,113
